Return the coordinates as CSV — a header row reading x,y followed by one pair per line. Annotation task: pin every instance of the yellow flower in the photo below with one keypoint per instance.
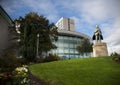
x,y
1,74
19,72
24,66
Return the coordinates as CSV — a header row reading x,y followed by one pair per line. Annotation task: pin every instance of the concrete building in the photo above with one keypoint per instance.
x,y
66,24
68,39
5,22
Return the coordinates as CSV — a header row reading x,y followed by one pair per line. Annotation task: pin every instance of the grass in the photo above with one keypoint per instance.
x,y
87,71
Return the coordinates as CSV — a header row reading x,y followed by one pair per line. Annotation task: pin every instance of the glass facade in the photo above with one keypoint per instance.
x,y
66,46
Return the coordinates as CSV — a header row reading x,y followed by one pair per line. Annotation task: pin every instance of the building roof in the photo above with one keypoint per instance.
x,y
5,16
75,34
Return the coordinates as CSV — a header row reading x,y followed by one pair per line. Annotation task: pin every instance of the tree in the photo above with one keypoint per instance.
x,y
32,25
115,54
84,47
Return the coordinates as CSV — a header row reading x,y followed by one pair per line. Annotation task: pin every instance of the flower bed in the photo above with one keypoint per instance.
x,y
17,77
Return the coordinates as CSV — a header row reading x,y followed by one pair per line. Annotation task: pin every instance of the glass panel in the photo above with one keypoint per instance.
x,y
76,51
71,46
66,45
72,51
70,38
66,50
61,51
60,44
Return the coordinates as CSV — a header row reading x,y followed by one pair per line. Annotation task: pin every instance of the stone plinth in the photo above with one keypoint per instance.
x,y
100,49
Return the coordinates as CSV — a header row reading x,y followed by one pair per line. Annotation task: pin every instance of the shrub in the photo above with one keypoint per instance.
x,y
8,62
6,78
116,58
22,61
18,76
115,54
39,60
51,57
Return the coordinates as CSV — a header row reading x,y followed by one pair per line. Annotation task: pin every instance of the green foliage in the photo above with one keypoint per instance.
x,y
48,58
84,46
115,54
32,25
22,61
39,60
86,71
51,58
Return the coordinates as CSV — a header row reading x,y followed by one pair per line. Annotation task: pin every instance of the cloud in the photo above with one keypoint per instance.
x,y
14,8
113,32
44,7
7,3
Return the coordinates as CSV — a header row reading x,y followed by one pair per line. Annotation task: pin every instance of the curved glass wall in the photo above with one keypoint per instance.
x,y
66,47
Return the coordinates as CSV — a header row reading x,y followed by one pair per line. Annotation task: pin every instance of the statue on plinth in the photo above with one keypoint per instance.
x,y
97,34
99,48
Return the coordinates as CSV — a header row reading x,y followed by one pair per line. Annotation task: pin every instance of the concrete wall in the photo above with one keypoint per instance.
x,y
66,24
100,49
4,34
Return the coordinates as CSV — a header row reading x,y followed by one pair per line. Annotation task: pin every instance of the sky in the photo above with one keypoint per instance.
x,y
86,14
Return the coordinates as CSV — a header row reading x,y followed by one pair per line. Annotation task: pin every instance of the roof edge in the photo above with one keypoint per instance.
x,y
5,15
74,34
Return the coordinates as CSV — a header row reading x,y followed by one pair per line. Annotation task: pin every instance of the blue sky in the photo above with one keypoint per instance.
x,y
86,13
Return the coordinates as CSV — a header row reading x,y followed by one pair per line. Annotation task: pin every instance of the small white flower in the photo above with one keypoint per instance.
x,y
25,69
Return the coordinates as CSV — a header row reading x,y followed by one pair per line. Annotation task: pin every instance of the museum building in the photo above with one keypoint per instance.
x,y
68,39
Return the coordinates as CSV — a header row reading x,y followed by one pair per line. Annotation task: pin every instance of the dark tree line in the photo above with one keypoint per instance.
x,y
32,25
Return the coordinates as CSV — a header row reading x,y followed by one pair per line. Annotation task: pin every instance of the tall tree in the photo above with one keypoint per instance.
x,y
30,27
84,47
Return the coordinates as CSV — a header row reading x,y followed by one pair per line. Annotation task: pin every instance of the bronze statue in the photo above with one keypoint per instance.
x,y
97,34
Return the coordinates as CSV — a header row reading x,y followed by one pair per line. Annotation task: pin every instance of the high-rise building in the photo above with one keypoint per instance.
x,y
66,24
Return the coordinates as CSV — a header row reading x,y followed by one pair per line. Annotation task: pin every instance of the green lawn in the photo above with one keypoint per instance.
x,y
87,71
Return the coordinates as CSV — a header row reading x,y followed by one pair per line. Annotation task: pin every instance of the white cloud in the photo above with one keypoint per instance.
x,y
10,6
95,9
113,33
44,7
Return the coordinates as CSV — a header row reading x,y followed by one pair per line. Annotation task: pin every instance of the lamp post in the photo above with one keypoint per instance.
x,y
37,56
